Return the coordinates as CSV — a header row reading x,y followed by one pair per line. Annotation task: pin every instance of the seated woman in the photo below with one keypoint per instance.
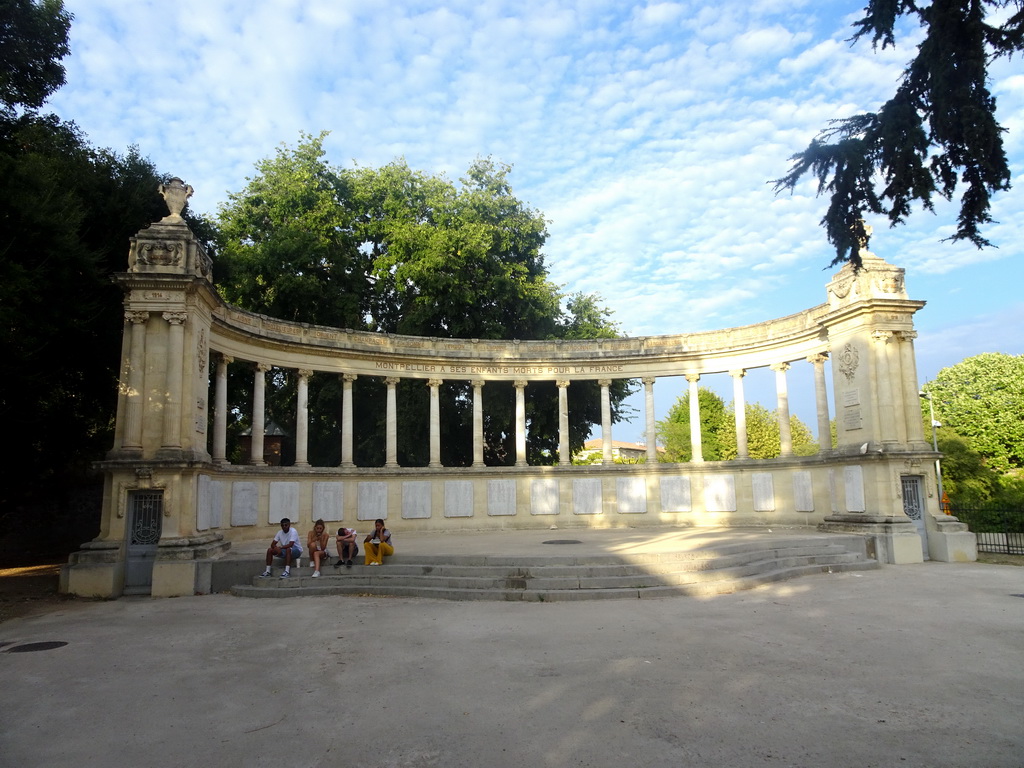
x,y
316,542
378,544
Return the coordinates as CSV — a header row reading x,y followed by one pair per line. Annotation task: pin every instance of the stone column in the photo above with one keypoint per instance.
x,y
258,414
302,419
911,398
895,383
883,387
220,411
175,377
606,421
520,386
740,404
696,443
435,422
135,379
821,400
782,395
346,419
391,451
650,433
564,455
478,424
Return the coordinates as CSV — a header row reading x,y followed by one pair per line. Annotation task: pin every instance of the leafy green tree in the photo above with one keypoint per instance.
x,y
966,478
763,437
981,399
33,42
401,251
674,430
937,134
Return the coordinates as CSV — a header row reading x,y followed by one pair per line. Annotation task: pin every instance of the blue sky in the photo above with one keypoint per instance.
x,y
645,132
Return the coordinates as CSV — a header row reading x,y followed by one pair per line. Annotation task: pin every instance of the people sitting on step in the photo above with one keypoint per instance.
x,y
286,546
317,542
378,544
348,548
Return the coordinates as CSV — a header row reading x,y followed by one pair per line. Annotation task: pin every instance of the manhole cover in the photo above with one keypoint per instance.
x,y
562,541
30,647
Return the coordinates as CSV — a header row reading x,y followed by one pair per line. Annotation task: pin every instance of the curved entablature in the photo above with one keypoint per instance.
x,y
247,335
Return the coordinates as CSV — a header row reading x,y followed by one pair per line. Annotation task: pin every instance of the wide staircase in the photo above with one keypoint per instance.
x,y
714,570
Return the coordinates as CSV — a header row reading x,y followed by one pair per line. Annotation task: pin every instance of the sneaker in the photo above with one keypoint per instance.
x,y
374,563
348,563
265,574
337,563
286,575
316,574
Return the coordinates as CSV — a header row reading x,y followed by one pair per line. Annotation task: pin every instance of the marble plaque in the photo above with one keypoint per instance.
x,y
203,504
763,487
501,497
675,494
245,499
372,501
329,501
284,502
631,493
586,496
854,479
458,498
416,499
544,497
803,492
851,397
833,491
720,493
217,505
852,419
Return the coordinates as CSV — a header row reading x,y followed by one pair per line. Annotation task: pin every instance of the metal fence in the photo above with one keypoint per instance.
x,y
998,530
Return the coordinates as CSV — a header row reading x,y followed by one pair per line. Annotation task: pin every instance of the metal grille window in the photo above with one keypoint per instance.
x,y
912,496
147,507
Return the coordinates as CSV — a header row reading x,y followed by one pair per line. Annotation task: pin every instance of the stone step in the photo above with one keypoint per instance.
x,y
724,570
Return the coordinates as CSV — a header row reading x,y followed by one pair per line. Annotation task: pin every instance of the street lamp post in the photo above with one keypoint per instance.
x,y
935,445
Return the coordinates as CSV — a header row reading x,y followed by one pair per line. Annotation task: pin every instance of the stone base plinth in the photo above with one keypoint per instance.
x,y
949,541
895,540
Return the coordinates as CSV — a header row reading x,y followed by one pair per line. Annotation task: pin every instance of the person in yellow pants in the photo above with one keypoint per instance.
x,y
378,544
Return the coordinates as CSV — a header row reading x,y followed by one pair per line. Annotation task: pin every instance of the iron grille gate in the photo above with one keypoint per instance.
x,y
144,528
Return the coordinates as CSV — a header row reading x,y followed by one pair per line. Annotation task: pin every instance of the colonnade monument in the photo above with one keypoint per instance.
x,y
173,502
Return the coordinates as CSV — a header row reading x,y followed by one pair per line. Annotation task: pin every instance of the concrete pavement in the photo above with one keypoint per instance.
x,y
904,666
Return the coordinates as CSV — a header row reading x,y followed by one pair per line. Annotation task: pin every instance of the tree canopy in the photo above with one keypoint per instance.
x,y
936,135
33,41
397,250
981,399
718,431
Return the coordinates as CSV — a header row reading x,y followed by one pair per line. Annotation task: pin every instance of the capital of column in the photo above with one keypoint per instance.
x,y
478,384
262,367
779,367
738,373
907,335
648,381
434,383
882,337
391,381
520,383
226,359
562,383
817,359
136,317
349,376
175,318
304,373
693,378
605,382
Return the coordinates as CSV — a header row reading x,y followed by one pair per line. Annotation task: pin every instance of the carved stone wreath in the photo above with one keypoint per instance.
x,y
848,360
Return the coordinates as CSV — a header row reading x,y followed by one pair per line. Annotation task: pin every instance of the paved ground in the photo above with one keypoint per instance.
x,y
904,666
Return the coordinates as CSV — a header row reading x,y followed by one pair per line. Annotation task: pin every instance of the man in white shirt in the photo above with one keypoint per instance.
x,y
285,545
